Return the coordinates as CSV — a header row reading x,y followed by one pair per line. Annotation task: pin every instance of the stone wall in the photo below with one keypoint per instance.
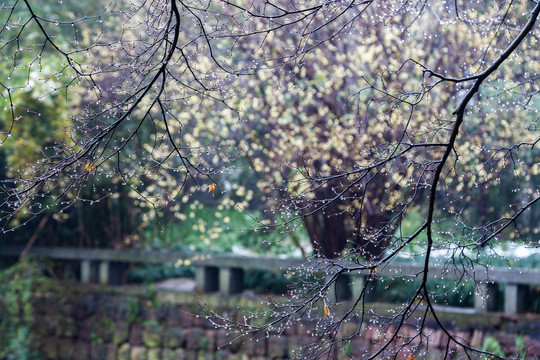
x,y
95,322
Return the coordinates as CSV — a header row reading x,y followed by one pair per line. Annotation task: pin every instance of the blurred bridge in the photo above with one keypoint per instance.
x,y
225,273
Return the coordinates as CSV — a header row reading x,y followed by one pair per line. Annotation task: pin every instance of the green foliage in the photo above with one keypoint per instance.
x,y
447,292
133,309
412,221
262,281
220,228
151,297
19,285
95,339
493,346
521,348
153,273
348,348
41,123
36,125
397,289
150,293
150,323
444,292
204,343
535,299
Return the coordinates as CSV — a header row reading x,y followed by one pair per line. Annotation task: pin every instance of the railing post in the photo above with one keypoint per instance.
x,y
358,286
89,271
231,280
347,287
207,279
515,298
104,269
340,290
85,271
369,283
485,297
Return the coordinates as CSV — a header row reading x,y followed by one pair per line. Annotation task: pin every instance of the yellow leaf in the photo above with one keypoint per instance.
x,y
90,167
211,188
325,311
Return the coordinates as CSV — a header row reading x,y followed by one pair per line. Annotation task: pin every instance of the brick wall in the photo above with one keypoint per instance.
x,y
119,323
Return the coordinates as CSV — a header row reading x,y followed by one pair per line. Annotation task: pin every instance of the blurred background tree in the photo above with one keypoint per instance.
x,y
373,128
308,127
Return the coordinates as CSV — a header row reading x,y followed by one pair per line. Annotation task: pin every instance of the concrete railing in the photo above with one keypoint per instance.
x,y
225,273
